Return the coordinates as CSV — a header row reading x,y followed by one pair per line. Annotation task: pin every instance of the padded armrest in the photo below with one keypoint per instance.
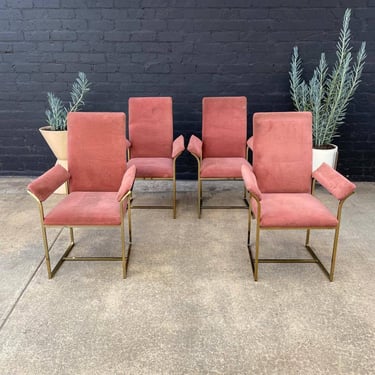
x,y
250,181
178,146
126,183
195,146
339,186
250,142
48,182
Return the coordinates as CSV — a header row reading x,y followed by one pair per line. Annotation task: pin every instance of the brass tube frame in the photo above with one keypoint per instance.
x,y
65,257
173,206
255,260
200,205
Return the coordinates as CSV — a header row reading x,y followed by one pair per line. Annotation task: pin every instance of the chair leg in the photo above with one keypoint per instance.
x,y
126,255
129,222
123,250
51,271
46,251
257,239
174,196
199,197
254,261
334,252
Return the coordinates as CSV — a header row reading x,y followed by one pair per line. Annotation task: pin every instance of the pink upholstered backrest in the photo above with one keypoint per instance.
x,y
96,150
151,127
282,151
224,126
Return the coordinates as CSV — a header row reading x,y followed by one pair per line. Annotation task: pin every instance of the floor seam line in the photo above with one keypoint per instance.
x,y
21,294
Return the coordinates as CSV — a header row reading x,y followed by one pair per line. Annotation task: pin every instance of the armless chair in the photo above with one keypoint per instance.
x,y
281,185
151,146
98,184
222,151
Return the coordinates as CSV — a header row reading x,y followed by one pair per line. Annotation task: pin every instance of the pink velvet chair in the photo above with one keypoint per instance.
x,y
151,146
281,185
98,182
222,151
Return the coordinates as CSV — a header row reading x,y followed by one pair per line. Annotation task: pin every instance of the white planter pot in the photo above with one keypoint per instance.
x,y
57,140
326,155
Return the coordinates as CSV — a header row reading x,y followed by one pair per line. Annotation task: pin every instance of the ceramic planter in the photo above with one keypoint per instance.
x,y
327,155
57,140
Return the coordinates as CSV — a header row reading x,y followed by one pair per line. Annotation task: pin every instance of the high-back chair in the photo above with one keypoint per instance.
x,y
281,188
151,146
222,150
99,184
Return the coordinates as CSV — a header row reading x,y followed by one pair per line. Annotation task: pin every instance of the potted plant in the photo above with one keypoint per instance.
x,y
328,94
55,133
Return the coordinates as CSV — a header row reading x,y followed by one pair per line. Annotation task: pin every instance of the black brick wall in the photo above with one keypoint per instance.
x,y
186,49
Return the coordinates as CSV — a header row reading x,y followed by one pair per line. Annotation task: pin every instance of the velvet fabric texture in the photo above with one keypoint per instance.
x,y
86,208
294,210
339,186
222,167
153,167
224,127
195,146
127,182
178,146
48,182
250,182
282,151
151,127
96,150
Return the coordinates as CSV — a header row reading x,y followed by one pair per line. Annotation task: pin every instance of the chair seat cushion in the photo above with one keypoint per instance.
x,y
86,208
294,210
222,167
153,167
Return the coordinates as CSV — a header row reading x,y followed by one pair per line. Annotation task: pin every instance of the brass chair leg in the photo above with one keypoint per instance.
x,y
257,239
174,197
334,252
46,252
199,197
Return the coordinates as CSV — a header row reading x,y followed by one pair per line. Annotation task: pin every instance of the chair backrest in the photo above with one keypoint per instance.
x,y
282,151
151,127
224,126
96,150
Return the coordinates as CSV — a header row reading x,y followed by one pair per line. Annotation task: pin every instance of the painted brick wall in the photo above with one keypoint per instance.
x,y
186,49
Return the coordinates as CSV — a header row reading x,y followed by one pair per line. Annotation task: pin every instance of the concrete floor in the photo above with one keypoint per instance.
x,y
189,304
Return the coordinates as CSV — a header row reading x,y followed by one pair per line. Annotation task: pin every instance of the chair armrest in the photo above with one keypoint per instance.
x,y
250,181
195,146
126,183
128,143
250,143
178,146
339,186
48,182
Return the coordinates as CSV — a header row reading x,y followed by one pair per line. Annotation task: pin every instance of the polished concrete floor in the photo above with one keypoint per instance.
x,y
189,304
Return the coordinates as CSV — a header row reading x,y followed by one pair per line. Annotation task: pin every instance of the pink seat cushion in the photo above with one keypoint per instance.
x,y
153,167
298,210
224,126
222,167
86,208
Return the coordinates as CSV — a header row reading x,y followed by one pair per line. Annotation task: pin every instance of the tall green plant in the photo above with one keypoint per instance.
x,y
327,95
56,114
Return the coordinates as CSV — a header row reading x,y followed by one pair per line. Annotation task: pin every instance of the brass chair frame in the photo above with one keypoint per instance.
x,y
172,206
200,205
65,257
255,260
